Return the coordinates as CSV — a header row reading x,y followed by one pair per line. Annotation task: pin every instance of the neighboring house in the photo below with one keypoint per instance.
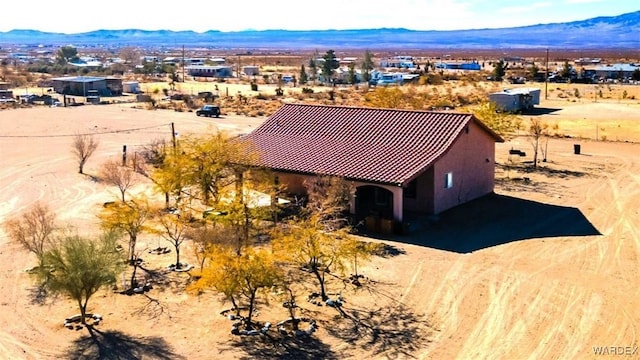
x,y
210,71
399,161
81,85
516,100
459,66
616,71
402,61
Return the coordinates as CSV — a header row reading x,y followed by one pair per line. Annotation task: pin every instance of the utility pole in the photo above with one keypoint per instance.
x,y
173,136
546,76
183,66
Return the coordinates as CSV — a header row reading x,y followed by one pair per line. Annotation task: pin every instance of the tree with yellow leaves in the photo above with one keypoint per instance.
x,y
306,244
240,277
130,217
503,123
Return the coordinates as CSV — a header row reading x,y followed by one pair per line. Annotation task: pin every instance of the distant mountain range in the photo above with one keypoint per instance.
x,y
621,31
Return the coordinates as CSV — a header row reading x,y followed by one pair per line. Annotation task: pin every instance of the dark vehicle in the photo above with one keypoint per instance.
x,y
209,110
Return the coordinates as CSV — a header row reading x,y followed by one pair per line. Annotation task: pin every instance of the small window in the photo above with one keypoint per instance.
x,y
448,180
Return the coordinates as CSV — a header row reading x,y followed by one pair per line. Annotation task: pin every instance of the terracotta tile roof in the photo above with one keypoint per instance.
x,y
368,144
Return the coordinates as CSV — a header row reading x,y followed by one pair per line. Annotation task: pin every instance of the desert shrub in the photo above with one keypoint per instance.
x,y
434,79
576,93
306,90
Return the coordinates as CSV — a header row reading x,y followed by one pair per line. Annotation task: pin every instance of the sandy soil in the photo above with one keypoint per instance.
x,y
545,268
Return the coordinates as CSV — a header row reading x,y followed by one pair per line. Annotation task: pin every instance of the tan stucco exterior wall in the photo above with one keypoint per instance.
x,y
471,161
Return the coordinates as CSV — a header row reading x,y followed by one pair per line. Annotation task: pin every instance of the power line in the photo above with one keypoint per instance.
x,y
92,133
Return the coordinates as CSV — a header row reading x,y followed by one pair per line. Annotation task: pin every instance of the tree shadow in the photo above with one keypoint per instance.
x,y
539,111
394,331
166,279
38,295
115,345
498,219
387,251
283,347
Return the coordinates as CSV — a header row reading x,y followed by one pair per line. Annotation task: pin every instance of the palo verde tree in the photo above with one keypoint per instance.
x,y
389,97
83,146
78,267
537,129
206,165
246,205
173,229
502,123
33,229
358,252
328,201
113,173
130,217
329,65
240,277
306,244
205,237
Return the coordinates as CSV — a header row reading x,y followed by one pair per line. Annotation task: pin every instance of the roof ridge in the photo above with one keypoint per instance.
x,y
376,108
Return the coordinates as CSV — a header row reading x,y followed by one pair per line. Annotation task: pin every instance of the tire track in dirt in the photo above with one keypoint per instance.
x,y
569,301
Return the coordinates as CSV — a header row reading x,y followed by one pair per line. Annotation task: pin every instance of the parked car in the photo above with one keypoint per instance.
x,y
209,110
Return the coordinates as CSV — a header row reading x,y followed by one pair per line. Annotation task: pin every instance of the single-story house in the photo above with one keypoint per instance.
x,y
616,71
459,66
399,161
210,71
80,85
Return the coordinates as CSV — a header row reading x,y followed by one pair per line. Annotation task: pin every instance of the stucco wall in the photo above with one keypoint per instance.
x,y
423,202
471,160
293,183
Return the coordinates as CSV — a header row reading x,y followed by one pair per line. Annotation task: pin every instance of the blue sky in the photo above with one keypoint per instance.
x,y
196,15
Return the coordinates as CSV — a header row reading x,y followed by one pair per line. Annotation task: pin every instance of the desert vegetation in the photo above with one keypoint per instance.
x,y
181,238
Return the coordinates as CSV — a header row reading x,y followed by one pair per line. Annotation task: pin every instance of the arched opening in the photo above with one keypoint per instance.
x,y
374,201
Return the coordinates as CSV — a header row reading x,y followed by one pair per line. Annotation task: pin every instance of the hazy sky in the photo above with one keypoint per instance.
x,y
224,15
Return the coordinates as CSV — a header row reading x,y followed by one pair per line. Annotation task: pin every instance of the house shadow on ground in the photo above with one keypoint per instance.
x,y
535,111
494,220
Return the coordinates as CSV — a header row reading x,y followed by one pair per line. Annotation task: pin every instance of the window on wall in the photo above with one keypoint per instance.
x,y
448,180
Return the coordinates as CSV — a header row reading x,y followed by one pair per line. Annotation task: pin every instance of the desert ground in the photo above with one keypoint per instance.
x,y
546,268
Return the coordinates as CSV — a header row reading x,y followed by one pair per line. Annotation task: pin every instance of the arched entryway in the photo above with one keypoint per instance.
x,y
375,201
